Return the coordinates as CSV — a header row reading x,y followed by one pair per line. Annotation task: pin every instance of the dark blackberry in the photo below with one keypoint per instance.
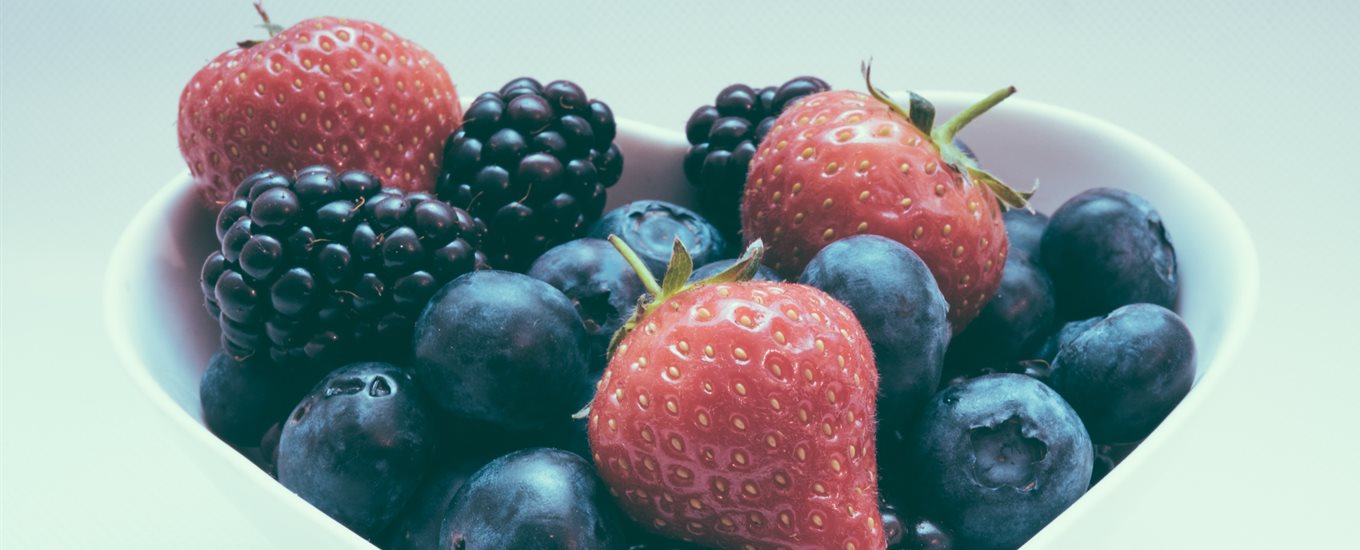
x,y
534,161
724,138
326,267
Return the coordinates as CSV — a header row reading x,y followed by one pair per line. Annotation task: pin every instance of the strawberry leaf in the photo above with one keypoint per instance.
x,y
678,272
1009,197
744,269
865,68
922,113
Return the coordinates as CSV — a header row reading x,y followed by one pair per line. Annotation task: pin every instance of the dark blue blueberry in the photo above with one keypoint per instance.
x,y
710,269
358,446
998,457
242,399
1024,231
417,527
1107,456
537,498
1048,351
1127,371
925,534
1107,248
503,348
893,532
269,449
1012,323
651,227
896,300
599,282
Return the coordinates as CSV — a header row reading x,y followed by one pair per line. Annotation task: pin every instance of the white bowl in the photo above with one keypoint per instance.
x,y
164,336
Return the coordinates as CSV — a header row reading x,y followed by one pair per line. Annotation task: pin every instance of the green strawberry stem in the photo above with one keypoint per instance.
x,y
946,133
921,114
676,279
269,26
648,280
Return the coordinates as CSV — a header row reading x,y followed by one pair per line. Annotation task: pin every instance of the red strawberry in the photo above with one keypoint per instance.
x,y
841,163
740,414
342,92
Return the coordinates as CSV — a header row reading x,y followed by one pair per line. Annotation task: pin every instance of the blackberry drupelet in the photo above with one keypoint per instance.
x,y
330,267
534,161
724,138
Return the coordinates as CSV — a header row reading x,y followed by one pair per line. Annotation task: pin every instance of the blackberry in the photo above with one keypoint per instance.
x,y
329,266
534,161
724,138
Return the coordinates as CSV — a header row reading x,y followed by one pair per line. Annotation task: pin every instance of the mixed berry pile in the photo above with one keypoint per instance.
x,y
433,332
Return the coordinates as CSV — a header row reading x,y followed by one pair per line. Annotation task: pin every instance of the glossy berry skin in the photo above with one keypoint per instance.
x,y
743,413
534,161
1024,232
534,498
1012,323
894,297
650,227
997,458
241,400
503,348
359,445
324,267
926,534
598,282
417,526
1107,248
763,273
723,138
343,92
1069,331
842,163
1127,371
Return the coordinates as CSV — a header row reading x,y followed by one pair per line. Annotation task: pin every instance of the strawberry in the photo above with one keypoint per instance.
x,y
341,92
740,414
841,163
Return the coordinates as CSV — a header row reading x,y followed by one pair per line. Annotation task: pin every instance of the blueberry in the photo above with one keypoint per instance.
x,y
599,282
1048,351
1024,231
650,227
893,532
535,498
895,298
1107,456
996,458
503,348
417,527
1013,322
242,400
926,534
1107,248
358,446
710,269
269,449
1127,371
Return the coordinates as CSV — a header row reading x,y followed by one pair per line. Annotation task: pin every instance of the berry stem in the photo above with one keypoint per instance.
x,y
946,133
269,26
648,280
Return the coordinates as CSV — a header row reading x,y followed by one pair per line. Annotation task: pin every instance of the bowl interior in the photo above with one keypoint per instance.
x,y
164,336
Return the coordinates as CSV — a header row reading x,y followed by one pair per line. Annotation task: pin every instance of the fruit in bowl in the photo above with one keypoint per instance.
x,y
166,344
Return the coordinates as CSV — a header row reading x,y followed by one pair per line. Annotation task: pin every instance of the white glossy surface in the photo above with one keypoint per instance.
x,y
154,279
1253,96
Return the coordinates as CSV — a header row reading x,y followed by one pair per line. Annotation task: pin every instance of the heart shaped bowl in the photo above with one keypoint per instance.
x,y
163,335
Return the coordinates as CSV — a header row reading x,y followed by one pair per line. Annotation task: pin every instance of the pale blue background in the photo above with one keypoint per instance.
x,y
1257,97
